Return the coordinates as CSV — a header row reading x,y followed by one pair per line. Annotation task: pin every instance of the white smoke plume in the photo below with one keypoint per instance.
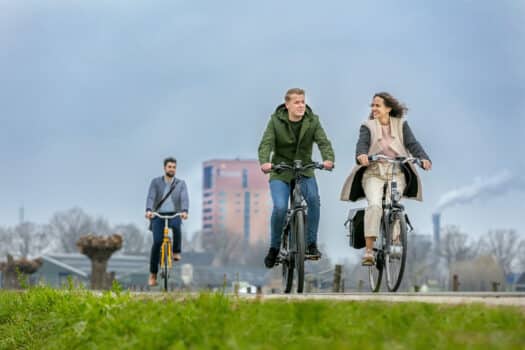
x,y
498,184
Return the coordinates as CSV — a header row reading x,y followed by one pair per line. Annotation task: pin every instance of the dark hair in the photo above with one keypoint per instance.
x,y
169,160
398,108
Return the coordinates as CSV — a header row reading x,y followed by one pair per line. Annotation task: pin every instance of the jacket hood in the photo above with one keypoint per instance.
x,y
281,111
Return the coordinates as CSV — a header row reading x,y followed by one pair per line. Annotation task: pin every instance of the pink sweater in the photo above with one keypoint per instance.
x,y
385,142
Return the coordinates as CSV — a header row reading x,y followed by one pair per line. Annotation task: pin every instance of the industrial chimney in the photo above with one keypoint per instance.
x,y
436,222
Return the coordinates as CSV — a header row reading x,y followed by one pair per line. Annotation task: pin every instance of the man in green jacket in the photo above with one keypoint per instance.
x,y
290,135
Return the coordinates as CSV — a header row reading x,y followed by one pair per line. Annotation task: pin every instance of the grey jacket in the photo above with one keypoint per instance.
x,y
179,195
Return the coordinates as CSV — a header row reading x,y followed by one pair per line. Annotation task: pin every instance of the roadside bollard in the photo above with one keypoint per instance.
x,y
455,283
337,279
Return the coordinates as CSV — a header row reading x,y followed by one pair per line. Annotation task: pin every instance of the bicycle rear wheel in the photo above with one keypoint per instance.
x,y
299,224
395,258
288,264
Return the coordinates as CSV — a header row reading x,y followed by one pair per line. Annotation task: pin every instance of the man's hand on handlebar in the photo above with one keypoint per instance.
x,y
149,215
328,165
266,168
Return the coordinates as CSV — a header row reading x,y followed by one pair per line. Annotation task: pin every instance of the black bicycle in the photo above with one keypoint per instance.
x,y
292,253
390,249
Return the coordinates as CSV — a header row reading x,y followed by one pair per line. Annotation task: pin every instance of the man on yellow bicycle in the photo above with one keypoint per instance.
x,y
167,195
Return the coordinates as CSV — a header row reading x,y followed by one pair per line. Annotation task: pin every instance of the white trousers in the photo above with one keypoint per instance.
x,y
374,178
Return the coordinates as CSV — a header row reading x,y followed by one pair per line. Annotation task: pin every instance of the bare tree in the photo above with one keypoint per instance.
x,y
68,226
503,244
455,246
254,254
99,249
24,240
418,265
134,239
226,248
521,256
29,239
5,242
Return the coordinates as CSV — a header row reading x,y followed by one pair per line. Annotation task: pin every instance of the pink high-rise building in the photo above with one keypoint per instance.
x,y
236,199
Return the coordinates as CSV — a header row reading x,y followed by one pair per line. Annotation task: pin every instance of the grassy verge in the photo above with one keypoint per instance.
x,y
44,318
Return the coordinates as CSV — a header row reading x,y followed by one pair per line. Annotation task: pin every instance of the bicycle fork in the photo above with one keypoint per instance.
x,y
166,244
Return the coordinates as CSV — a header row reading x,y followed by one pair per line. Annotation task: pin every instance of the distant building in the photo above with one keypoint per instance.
x,y
236,199
132,271
58,268
520,283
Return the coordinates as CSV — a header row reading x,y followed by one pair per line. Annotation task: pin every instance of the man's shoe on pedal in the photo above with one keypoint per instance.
x,y
312,252
271,257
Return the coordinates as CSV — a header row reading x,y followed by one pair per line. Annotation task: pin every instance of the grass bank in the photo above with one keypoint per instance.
x,y
44,318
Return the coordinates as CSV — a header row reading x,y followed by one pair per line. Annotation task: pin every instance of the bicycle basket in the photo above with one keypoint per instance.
x,y
355,224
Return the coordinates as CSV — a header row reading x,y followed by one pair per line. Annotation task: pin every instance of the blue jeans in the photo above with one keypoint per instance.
x,y
157,227
280,191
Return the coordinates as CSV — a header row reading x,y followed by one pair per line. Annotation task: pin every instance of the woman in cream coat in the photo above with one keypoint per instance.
x,y
387,133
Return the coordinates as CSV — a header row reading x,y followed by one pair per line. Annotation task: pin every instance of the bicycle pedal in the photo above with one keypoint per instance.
x,y
312,257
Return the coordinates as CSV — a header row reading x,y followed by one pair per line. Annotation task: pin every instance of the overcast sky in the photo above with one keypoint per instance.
x,y
93,95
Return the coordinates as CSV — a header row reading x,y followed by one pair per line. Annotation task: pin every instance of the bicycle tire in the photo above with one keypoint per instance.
x,y
375,272
394,281
165,266
299,225
287,266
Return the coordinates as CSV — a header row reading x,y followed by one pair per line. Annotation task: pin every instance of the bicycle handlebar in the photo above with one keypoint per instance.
x,y
166,216
299,167
396,160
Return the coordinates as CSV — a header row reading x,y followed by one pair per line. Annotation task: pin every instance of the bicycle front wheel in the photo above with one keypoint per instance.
x,y
395,258
375,272
288,264
299,224
165,266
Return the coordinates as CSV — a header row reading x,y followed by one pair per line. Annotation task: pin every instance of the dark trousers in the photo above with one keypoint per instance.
x,y
157,227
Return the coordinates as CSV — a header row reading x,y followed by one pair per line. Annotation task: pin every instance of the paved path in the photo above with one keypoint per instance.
x,y
515,299
488,298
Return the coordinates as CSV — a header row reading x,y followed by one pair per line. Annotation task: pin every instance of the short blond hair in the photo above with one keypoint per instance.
x,y
293,91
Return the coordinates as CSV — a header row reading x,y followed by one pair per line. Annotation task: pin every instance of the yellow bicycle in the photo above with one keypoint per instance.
x,y
166,249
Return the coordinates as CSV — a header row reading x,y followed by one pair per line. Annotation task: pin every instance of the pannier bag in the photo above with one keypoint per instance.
x,y
355,225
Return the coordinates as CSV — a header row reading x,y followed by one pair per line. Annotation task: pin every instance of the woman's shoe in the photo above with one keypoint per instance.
x,y
368,258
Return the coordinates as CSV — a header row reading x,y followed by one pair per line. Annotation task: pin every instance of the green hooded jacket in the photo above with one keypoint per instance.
x,y
279,139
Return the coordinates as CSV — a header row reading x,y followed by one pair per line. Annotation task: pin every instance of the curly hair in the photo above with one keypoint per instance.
x,y
398,108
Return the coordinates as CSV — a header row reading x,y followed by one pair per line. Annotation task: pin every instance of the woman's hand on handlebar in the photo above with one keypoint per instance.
x,y
184,215
149,214
426,164
363,159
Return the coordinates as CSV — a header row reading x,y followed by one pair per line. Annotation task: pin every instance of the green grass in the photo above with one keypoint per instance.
x,y
44,318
